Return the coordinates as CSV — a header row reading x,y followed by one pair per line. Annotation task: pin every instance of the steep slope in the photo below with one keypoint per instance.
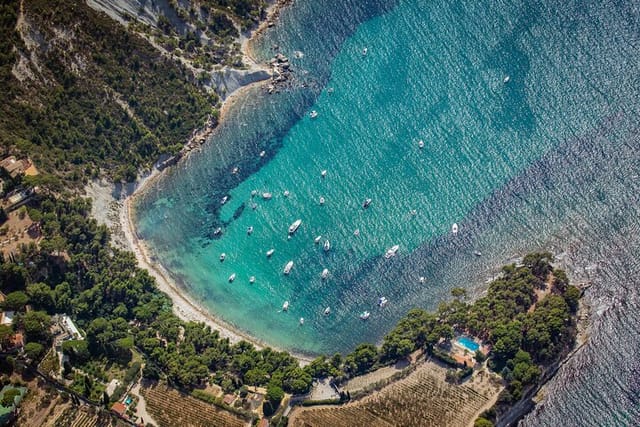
x,y
81,93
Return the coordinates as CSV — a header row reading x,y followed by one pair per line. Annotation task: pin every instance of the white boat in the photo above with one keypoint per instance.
x,y
217,231
364,315
326,245
327,311
364,51
422,280
235,170
421,144
224,200
222,256
323,173
263,153
285,306
288,267
254,206
506,79
267,196
317,239
232,277
382,301
293,227
302,321
270,252
286,193
356,232
366,203
454,228
254,193
321,200
391,252
325,273
313,114
477,253
250,230
252,279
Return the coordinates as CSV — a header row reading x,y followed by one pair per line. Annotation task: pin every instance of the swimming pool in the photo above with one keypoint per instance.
x,y
128,400
468,343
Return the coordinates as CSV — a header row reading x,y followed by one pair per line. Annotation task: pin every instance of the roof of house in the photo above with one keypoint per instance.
x,y
17,340
263,423
119,408
228,399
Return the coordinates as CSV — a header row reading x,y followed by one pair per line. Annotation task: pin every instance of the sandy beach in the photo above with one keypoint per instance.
x,y
116,210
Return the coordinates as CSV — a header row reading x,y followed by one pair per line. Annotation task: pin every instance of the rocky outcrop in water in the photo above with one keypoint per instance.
x,y
282,76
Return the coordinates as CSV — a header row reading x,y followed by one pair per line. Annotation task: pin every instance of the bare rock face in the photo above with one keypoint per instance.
x,y
228,80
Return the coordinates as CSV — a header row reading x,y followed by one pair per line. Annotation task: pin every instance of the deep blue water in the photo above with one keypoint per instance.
x,y
548,159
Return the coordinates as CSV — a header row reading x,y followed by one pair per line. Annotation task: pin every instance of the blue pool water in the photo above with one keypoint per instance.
x,y
468,343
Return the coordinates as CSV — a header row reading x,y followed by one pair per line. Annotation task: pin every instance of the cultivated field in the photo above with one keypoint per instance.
x,y
171,408
421,399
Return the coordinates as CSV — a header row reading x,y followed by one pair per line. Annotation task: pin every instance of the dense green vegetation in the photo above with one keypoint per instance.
x,y
96,96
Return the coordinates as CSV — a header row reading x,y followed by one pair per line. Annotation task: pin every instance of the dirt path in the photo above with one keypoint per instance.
x,y
141,407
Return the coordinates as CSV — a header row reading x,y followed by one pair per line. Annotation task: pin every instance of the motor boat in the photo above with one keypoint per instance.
x,y
364,315
327,311
391,252
454,228
321,200
324,274
317,239
323,173
301,321
421,144
293,227
288,267
366,203
224,200
270,252
285,306
286,193
313,114
267,196
326,245
249,230
222,256
232,277
382,302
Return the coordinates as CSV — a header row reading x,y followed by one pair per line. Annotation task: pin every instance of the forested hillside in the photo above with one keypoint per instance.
x,y
81,93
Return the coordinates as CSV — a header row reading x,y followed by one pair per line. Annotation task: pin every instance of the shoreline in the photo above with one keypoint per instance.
x,y
183,304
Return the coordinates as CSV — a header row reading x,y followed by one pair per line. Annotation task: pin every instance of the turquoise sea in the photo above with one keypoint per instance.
x,y
529,116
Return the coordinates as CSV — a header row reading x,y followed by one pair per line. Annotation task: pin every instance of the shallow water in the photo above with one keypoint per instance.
x,y
548,159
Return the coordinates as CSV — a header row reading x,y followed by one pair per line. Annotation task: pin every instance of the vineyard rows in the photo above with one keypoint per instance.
x,y
171,408
84,419
421,399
